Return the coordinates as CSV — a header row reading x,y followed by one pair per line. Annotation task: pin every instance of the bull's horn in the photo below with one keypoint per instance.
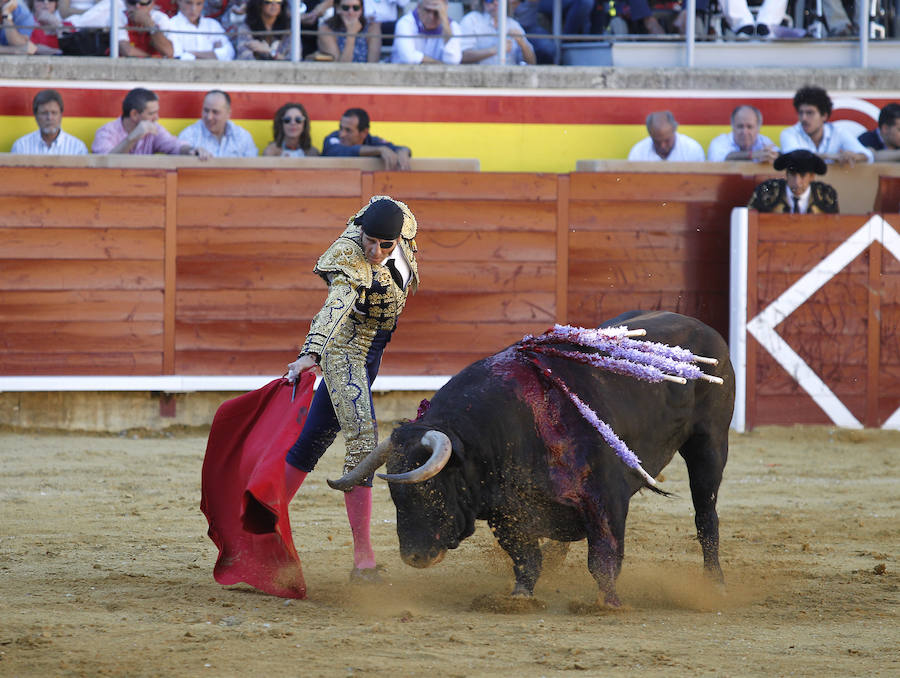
x,y
363,469
440,455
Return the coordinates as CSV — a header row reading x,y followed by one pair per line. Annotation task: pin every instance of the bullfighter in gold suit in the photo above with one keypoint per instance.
x,y
797,193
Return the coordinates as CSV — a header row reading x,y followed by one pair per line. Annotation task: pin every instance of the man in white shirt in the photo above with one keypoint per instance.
x,y
480,37
665,142
743,142
195,36
215,132
49,139
814,133
427,35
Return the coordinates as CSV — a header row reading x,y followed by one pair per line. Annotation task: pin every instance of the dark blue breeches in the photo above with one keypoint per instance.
x,y
321,426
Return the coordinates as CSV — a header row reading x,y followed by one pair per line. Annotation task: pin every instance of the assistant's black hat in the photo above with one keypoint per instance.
x,y
382,219
801,161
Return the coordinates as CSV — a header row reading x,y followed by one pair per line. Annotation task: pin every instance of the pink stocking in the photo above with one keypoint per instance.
x,y
293,479
359,511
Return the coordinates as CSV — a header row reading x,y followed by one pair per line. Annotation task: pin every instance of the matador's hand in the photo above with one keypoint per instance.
x,y
299,366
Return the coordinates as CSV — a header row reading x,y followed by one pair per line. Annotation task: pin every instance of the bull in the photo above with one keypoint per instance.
x,y
499,444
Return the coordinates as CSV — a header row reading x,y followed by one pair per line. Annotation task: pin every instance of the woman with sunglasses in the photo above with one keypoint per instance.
x,y
348,36
290,130
369,271
265,32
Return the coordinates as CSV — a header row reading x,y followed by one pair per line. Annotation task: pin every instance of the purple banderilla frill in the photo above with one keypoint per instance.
x,y
644,360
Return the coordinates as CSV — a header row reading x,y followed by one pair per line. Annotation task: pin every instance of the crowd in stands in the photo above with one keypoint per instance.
x,y
400,31
214,135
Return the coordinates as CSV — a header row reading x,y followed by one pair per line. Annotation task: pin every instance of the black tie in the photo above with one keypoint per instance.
x,y
395,274
796,207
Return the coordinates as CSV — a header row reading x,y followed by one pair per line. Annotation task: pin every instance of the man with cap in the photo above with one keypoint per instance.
x,y
369,271
797,193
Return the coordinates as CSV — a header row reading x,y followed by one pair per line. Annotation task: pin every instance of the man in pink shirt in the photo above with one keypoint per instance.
x,y
137,132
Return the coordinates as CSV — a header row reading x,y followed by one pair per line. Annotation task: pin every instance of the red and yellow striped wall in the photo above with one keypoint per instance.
x,y
507,130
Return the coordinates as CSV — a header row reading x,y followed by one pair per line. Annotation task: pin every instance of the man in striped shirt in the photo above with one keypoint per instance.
x,y
48,139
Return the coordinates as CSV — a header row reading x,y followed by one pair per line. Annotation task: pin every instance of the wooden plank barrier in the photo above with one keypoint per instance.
x,y
822,314
206,270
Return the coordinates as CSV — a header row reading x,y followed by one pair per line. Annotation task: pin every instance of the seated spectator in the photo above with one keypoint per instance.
x,y
146,27
479,37
215,133
741,20
49,139
49,23
386,13
576,18
69,8
626,17
797,193
16,24
353,140
528,15
665,142
309,24
197,37
427,35
265,32
814,133
137,132
347,36
743,142
884,140
290,132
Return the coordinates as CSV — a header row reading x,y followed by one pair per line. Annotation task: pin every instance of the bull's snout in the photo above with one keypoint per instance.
x,y
423,560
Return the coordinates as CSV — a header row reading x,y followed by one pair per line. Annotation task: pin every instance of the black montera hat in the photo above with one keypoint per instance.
x,y
801,161
382,219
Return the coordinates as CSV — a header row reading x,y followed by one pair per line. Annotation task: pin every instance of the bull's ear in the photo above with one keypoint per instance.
x,y
459,450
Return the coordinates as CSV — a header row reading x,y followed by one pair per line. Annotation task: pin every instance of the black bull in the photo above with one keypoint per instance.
x,y
513,450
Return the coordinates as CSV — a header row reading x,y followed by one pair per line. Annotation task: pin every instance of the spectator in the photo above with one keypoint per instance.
x,y
137,132
146,27
839,24
884,140
665,142
741,20
265,32
69,8
528,15
290,131
347,35
49,23
814,133
427,35
479,37
385,13
215,133
197,37
17,24
48,139
309,24
797,193
634,16
576,18
743,142
353,139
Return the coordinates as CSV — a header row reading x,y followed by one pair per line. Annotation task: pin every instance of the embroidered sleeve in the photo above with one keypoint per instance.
x,y
342,296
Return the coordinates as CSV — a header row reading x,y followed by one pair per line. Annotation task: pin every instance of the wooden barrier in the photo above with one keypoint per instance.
x,y
822,315
888,197
206,270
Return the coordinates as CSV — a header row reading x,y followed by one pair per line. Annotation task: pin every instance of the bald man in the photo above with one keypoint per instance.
x,y
665,142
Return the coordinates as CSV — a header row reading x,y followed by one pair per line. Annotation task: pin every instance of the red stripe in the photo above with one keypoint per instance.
x,y
480,108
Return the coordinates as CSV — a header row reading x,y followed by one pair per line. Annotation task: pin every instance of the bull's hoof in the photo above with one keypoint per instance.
x,y
502,604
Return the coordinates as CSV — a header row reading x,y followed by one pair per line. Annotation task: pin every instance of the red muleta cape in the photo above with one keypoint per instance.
x,y
242,492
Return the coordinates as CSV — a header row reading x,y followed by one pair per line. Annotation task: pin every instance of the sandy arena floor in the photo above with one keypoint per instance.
x,y
106,570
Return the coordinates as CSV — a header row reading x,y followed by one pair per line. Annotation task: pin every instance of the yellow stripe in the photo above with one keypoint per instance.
x,y
499,147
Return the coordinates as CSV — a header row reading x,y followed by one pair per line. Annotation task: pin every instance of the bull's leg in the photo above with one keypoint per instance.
x,y
606,549
705,461
525,554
